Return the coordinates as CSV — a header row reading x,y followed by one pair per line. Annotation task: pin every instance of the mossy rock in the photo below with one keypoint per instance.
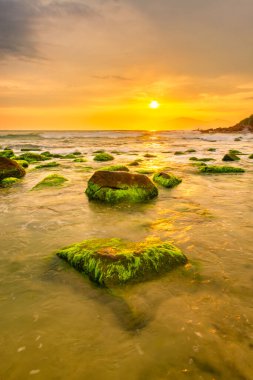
x,y
79,159
114,187
230,157
23,163
52,164
115,168
135,162
166,179
251,156
220,169
211,150
149,155
190,151
204,159
10,168
103,157
8,182
33,157
52,180
236,152
112,262
34,149
7,153
178,153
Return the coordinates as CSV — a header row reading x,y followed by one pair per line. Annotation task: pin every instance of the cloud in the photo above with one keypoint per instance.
x,y
19,21
109,77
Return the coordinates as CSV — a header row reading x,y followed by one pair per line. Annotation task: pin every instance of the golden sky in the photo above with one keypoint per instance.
x,y
97,64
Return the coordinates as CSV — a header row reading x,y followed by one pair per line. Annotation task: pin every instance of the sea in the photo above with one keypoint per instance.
x,y
193,323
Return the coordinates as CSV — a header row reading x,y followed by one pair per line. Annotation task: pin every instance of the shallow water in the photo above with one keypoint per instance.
x,y
194,323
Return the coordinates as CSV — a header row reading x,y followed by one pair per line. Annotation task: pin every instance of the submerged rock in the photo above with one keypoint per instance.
x,y
211,169
111,262
53,180
113,187
10,168
166,179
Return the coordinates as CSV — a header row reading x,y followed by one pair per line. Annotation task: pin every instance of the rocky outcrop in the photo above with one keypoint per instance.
x,y
244,126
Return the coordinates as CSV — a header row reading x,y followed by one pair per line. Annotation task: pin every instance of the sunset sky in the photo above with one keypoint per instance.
x,y
97,64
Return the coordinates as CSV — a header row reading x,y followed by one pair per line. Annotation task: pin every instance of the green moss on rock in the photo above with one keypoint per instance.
x,y
7,153
10,168
111,262
23,163
166,179
115,168
251,156
149,155
135,162
79,159
52,164
33,157
114,187
211,169
53,180
103,157
8,182
230,157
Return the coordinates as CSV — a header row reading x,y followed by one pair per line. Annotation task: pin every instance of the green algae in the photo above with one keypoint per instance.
x,y
132,194
103,157
80,159
8,182
110,262
33,157
204,159
115,168
23,163
211,169
7,153
135,162
166,180
52,164
53,180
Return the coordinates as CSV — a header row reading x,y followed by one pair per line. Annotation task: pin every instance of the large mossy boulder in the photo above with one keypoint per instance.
x,y
166,179
113,187
111,262
10,168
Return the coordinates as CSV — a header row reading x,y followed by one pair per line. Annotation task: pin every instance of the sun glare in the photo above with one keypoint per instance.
x,y
154,104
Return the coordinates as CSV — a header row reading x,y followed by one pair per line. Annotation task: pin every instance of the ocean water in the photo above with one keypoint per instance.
x,y
193,323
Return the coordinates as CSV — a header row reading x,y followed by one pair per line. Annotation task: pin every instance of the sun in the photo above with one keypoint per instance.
x,y
154,104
